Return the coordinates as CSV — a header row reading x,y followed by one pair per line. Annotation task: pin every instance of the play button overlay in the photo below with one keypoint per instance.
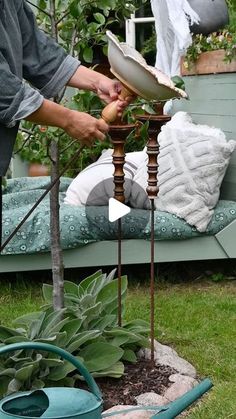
x,y
102,212
116,210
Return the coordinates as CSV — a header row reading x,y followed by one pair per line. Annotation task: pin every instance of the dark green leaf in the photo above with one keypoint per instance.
x,y
88,54
99,356
99,18
24,373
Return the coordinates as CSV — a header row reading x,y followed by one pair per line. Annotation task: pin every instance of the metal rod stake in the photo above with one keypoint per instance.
x,y
118,135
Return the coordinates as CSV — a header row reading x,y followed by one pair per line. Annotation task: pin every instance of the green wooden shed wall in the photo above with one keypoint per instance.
x,y
213,102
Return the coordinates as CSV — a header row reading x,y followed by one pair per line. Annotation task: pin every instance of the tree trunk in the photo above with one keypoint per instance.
x,y
56,251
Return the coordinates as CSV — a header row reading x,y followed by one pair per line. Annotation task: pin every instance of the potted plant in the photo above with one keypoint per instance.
x,y
215,52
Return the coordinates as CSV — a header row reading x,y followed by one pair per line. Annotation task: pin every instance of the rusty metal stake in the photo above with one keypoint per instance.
x,y
155,124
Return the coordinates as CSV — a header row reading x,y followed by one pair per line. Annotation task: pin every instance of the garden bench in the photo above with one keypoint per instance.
x,y
213,102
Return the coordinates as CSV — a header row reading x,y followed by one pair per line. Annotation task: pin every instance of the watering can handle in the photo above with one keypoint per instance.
x,y
64,354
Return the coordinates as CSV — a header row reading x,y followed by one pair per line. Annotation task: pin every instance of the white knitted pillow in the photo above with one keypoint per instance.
x,y
192,163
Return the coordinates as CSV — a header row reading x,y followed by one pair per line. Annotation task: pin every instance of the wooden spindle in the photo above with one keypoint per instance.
x,y
118,134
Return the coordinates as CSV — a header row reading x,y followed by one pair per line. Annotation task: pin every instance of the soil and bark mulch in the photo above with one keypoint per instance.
x,y
138,378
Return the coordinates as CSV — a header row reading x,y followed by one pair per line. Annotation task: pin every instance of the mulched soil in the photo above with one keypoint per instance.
x,y
139,378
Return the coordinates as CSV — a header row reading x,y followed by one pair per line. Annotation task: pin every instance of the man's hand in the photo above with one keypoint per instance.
x,y
84,127
107,89
78,125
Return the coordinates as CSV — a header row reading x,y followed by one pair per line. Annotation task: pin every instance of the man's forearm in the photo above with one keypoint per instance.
x,y
86,79
78,125
51,114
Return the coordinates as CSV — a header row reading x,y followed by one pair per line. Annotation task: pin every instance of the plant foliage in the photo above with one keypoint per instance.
x,y
86,327
217,40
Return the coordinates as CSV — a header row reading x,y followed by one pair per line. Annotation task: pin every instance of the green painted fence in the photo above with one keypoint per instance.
x,y
213,102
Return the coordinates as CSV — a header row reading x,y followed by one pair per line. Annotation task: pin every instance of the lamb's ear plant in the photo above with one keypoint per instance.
x,y
86,327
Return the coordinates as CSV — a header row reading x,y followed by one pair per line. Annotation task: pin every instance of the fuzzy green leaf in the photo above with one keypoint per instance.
x,y
35,326
129,356
16,339
92,312
104,322
137,324
24,373
85,283
6,333
58,373
100,355
70,288
26,319
108,295
9,372
4,386
51,320
121,336
14,386
49,362
47,292
71,328
115,371
37,384
81,338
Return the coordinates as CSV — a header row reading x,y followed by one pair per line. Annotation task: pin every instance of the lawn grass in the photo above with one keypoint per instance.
x,y
197,318
199,321
18,298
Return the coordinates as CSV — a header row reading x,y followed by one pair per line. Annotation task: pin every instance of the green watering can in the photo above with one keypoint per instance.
x,y
71,403
55,402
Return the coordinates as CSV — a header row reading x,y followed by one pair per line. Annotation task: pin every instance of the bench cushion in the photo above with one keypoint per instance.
x,y
79,228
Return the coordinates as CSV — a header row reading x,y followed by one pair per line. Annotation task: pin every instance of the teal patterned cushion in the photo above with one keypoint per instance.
x,y
79,227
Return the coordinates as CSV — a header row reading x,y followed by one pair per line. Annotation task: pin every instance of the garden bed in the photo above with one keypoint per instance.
x,y
139,378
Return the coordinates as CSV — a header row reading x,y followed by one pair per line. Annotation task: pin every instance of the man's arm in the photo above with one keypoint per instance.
x,y
46,65
107,89
78,125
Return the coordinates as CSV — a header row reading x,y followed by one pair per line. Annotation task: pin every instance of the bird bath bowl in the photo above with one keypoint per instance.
x,y
141,79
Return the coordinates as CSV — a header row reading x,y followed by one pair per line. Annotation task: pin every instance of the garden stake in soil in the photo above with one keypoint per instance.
x,y
118,135
155,124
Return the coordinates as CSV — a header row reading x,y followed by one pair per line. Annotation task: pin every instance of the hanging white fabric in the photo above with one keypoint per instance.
x,y
172,21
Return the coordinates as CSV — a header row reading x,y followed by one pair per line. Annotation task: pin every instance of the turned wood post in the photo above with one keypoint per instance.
x,y
118,135
155,124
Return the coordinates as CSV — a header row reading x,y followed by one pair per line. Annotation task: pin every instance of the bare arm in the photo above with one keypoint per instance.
x,y
107,89
81,125
78,125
